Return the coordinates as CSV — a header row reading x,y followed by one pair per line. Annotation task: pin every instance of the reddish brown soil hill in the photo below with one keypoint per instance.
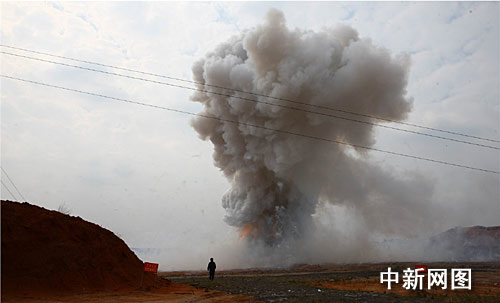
x,y
49,252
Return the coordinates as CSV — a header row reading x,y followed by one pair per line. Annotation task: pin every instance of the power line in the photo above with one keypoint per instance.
x,y
255,94
12,195
253,100
253,125
12,182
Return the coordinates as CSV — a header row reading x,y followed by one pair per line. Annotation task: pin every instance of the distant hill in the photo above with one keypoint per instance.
x,y
476,243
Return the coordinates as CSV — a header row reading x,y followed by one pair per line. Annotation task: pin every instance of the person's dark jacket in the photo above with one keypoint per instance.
x,y
211,266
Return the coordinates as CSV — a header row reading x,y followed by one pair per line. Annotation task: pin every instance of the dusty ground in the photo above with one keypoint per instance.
x,y
305,283
343,283
173,293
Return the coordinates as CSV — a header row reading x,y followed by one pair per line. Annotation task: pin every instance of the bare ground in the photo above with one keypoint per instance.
x,y
173,293
343,283
302,283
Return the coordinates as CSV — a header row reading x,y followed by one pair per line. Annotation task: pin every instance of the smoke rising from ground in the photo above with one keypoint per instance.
x,y
283,186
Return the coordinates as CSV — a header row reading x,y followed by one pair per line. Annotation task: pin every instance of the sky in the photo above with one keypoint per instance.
x,y
146,175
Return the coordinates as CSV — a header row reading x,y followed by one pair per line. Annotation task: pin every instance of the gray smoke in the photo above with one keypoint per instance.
x,y
280,181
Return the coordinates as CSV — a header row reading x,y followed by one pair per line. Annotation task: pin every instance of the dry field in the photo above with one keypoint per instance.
x,y
343,283
173,293
302,283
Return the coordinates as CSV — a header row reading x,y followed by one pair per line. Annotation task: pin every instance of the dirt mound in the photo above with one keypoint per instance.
x,y
49,252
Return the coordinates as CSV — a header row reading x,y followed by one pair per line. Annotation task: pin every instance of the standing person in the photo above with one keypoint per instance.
x,y
211,268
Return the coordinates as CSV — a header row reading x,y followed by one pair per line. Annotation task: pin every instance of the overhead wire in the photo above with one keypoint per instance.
x,y
252,125
12,195
13,184
257,94
251,93
253,100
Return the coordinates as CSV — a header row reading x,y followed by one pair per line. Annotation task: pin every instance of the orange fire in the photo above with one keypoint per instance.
x,y
246,230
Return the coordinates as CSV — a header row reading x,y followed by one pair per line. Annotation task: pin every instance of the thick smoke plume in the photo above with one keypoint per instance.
x,y
280,181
